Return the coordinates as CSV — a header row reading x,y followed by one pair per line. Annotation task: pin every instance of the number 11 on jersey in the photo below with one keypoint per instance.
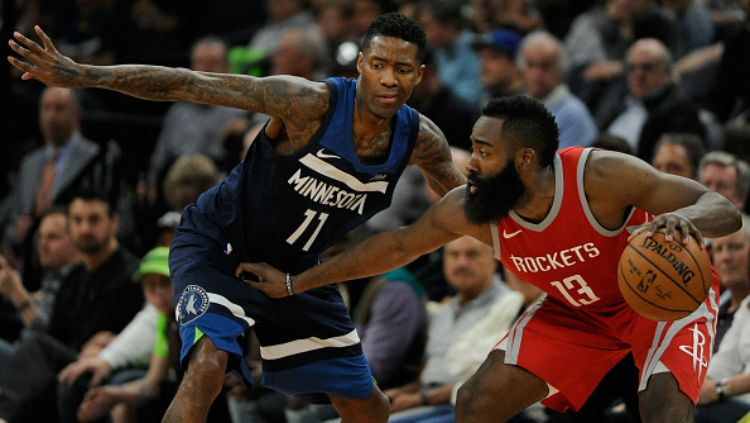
x,y
309,216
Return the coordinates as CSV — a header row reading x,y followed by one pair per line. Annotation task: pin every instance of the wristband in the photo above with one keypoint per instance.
x,y
289,284
724,389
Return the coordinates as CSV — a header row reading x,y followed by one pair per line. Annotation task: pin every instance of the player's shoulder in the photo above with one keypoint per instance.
x,y
430,135
605,164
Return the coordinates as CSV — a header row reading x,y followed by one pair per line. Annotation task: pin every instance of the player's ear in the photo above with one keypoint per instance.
x,y
420,74
526,159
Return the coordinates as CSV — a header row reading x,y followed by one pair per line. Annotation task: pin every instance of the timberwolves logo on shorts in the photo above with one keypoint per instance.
x,y
193,303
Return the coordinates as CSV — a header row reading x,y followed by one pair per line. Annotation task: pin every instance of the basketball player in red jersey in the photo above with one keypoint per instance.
x,y
559,221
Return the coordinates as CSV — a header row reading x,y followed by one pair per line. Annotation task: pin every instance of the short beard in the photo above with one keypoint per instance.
x,y
91,247
495,196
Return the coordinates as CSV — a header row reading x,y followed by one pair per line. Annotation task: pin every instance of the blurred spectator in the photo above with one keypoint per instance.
x,y
724,173
731,258
731,84
284,16
498,73
726,14
436,100
167,224
334,19
607,141
47,171
96,300
694,24
301,53
367,10
392,303
461,334
457,63
91,34
519,15
598,41
125,355
52,174
725,395
127,402
654,104
188,177
543,63
678,154
57,257
558,15
195,128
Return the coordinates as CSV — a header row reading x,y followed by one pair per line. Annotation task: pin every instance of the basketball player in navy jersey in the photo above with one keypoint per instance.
x,y
558,220
327,160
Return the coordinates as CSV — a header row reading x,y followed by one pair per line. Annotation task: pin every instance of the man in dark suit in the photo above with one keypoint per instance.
x,y
47,171
52,173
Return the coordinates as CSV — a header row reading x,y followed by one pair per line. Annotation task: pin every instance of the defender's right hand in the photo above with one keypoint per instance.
x,y
44,63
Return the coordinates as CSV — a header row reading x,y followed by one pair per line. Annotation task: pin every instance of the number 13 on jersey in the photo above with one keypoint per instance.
x,y
309,217
576,290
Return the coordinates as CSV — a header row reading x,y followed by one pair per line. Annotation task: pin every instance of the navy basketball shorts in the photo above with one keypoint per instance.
x,y
308,343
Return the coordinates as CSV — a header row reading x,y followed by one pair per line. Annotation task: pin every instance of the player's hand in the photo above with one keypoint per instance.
x,y
43,62
406,401
672,224
269,279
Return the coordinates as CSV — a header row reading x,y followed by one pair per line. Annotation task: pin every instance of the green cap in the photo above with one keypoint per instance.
x,y
156,261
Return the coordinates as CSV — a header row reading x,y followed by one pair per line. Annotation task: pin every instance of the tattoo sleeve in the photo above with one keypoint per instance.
x,y
433,156
279,96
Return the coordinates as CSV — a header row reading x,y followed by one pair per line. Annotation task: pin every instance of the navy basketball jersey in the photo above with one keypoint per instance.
x,y
284,210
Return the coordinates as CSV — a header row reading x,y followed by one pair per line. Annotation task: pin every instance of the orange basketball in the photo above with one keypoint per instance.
x,y
663,280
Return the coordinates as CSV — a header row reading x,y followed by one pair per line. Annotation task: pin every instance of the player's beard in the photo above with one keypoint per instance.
x,y
495,195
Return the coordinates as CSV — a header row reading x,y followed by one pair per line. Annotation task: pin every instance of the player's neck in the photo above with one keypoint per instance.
x,y
366,125
536,202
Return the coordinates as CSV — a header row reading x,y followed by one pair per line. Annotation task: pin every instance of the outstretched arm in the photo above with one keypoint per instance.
x,y
278,96
680,204
433,156
442,223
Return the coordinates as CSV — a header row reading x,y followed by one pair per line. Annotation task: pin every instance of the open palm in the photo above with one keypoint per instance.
x,y
43,62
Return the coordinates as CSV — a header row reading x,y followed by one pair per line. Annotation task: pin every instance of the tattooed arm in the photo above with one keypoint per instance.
x,y
433,156
292,99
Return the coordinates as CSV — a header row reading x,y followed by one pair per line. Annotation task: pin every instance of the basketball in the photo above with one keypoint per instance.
x,y
663,280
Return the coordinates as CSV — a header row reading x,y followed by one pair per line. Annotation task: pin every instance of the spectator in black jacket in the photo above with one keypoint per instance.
x,y
654,104
95,302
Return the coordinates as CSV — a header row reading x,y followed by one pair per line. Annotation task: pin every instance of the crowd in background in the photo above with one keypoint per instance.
x,y
91,180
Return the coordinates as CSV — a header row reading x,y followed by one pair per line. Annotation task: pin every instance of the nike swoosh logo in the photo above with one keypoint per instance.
x,y
507,235
323,155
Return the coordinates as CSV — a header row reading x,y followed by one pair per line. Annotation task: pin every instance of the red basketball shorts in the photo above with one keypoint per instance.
x,y
572,350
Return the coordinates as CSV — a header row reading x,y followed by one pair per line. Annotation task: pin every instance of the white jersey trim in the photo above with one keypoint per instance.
x,y
556,203
299,346
653,364
233,308
327,169
585,202
495,239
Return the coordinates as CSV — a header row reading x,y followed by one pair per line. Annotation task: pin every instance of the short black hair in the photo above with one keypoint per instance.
x,y
398,26
92,194
527,123
692,143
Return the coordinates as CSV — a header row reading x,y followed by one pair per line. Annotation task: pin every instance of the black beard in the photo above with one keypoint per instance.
x,y
495,195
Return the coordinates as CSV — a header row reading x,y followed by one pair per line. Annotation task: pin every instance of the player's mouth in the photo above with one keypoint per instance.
x,y
472,187
389,99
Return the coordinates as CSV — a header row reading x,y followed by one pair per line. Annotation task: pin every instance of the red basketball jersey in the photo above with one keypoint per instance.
x,y
569,255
